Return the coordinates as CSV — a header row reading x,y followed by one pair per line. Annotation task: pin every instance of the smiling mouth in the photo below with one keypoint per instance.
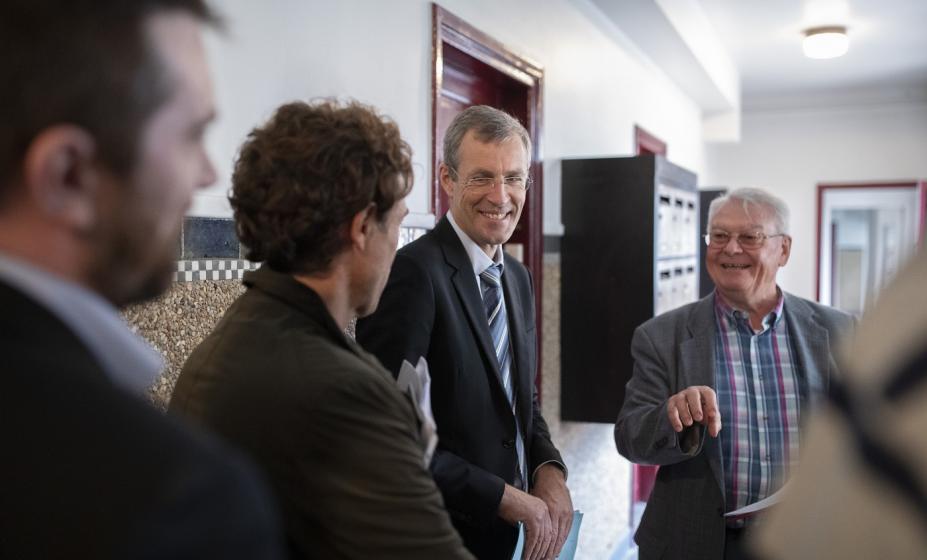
x,y
496,216
735,266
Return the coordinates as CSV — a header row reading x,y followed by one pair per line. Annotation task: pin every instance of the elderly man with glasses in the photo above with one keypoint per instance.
x,y
721,387
456,299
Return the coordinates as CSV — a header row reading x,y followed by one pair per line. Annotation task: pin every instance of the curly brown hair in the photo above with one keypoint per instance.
x,y
301,177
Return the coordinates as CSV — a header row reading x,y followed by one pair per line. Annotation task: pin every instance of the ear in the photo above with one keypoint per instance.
x,y
786,250
61,176
361,225
447,182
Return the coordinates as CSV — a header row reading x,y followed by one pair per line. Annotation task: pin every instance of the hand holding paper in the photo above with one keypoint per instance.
x,y
569,546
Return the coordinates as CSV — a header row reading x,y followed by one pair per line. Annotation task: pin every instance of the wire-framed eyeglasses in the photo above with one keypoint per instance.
x,y
512,183
747,240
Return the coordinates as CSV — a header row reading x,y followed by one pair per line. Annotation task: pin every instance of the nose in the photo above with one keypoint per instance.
x,y
208,174
733,246
499,193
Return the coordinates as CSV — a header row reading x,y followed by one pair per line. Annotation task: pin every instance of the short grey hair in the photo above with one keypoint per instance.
x,y
488,124
758,197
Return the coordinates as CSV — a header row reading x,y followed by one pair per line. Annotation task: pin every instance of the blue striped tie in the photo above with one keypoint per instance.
x,y
493,301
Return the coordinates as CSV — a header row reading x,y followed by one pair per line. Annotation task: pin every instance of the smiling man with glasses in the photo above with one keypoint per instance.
x,y
455,298
744,366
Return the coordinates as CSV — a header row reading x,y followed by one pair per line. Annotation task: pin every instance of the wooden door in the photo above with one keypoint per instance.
x,y
471,68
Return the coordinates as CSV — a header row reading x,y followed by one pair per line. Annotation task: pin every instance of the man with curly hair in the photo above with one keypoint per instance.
x,y
319,194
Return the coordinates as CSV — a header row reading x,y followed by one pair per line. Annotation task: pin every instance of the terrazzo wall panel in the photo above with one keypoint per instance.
x,y
177,322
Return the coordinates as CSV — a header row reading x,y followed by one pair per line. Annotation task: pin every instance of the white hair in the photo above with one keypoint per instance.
x,y
752,196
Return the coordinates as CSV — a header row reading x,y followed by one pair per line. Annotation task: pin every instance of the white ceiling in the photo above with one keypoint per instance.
x,y
887,60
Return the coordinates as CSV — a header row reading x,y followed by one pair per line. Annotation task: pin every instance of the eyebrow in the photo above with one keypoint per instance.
x,y
751,227
486,172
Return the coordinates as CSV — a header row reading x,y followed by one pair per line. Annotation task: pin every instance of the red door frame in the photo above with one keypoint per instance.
x,y
921,186
449,29
647,143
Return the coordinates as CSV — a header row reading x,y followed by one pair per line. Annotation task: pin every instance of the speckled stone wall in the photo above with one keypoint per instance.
x,y
177,322
599,478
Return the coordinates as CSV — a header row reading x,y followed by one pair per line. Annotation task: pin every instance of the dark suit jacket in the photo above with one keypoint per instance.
x,y
432,307
338,440
87,471
684,516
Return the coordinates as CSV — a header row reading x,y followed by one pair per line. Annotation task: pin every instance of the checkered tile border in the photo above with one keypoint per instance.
x,y
233,269
212,269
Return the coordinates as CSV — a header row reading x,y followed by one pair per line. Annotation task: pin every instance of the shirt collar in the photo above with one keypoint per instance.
x,y
478,258
124,356
728,312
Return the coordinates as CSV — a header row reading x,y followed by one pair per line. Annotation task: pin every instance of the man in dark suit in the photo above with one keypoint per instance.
x,y
101,149
456,298
319,195
749,357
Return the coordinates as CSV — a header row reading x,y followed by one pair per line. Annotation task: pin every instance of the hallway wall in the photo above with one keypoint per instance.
x,y
596,85
790,152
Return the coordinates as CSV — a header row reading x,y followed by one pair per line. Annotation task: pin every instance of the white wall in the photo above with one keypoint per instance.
x,y
790,152
379,52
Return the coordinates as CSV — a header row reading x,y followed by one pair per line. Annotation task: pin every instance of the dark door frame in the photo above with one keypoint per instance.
x,y
647,143
448,29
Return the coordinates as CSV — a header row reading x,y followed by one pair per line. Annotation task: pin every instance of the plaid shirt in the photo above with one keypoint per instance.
x,y
759,397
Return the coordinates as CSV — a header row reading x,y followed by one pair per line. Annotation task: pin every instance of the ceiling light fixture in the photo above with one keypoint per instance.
x,y
826,42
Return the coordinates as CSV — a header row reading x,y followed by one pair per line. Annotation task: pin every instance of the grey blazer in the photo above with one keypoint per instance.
x,y
684,516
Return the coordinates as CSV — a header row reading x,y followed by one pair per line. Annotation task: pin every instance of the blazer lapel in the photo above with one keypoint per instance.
x,y
464,281
697,356
812,350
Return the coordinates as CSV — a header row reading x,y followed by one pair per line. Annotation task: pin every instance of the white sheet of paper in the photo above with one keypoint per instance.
x,y
416,381
759,506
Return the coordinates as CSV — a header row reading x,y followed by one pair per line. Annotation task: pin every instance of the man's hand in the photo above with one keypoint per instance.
x,y
550,486
539,532
694,404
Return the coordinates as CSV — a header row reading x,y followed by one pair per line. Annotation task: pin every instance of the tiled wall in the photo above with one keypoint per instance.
x,y
208,281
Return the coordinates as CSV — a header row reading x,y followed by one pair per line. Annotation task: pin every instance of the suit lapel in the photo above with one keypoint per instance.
x,y
698,368
812,349
464,281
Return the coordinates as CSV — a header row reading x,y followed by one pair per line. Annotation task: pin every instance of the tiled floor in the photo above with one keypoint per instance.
x,y
599,478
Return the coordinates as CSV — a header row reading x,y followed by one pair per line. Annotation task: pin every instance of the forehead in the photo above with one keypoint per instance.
x,y
735,215
176,39
504,156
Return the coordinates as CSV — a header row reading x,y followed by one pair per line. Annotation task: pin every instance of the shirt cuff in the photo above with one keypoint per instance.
x,y
557,464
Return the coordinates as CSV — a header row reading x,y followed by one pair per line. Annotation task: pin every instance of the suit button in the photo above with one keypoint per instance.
x,y
508,443
721,512
661,443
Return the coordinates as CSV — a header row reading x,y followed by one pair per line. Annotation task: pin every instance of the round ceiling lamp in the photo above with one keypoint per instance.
x,y
826,42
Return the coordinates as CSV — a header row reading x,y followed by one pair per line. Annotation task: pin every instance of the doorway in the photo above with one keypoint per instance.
x,y
865,234
472,68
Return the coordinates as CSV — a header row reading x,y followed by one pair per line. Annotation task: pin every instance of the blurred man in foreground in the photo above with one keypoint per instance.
x,y
103,107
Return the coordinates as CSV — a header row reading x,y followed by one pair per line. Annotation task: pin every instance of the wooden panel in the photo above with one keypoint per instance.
x,y
647,143
609,264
